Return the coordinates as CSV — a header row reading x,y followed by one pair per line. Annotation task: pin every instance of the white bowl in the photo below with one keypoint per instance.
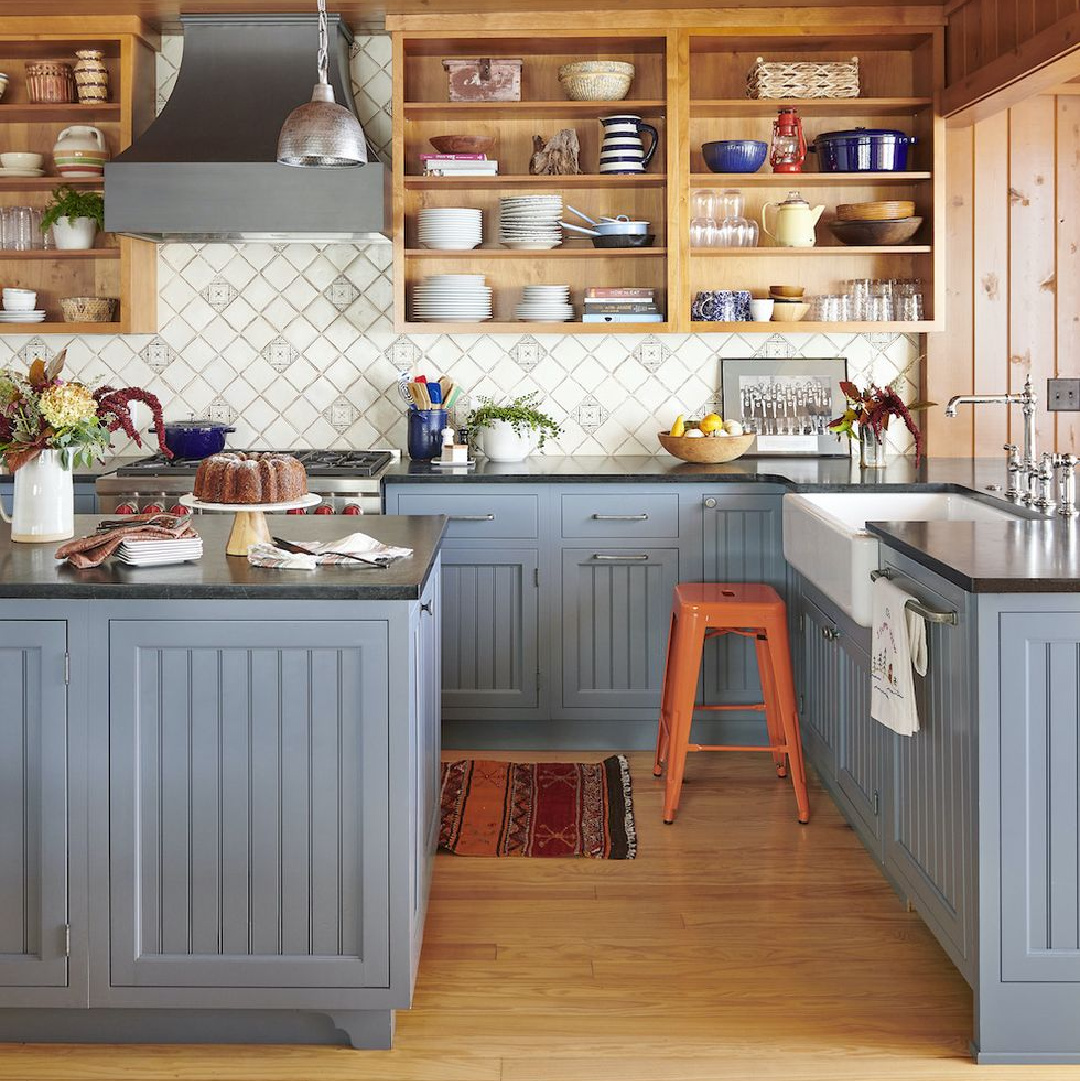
x,y
20,160
20,303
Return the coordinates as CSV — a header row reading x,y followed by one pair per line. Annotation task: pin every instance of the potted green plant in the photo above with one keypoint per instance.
x,y
512,431
74,217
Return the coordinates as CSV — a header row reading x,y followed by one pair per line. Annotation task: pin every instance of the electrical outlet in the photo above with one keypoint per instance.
x,y
1063,394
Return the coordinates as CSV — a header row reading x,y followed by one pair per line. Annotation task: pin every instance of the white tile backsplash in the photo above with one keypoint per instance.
x,y
295,343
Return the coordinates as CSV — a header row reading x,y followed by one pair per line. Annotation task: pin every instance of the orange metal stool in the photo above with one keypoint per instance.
x,y
702,610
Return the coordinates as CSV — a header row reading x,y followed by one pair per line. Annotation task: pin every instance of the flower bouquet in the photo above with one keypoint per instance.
x,y
867,417
39,412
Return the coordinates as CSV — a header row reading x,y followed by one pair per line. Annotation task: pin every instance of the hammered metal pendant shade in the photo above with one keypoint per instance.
x,y
322,134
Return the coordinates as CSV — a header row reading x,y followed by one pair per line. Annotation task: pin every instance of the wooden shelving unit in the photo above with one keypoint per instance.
x,y
689,83
118,266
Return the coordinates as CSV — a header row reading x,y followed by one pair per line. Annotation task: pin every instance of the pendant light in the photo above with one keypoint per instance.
x,y
321,133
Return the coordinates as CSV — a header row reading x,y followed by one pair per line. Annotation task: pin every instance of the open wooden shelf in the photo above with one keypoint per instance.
x,y
561,252
922,327
64,113
811,106
47,183
820,249
54,327
585,180
520,327
804,180
521,110
61,253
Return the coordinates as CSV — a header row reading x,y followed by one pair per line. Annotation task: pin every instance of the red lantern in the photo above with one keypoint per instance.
x,y
788,144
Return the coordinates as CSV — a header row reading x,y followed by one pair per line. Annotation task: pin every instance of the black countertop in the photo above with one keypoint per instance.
x,y
1031,555
29,571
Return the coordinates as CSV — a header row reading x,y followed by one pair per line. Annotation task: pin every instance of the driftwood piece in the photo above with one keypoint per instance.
x,y
557,157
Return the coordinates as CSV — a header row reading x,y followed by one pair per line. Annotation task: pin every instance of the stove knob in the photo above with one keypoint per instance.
x,y
179,508
127,508
154,508
322,508
296,510
352,508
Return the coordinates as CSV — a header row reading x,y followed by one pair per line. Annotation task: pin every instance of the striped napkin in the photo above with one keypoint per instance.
x,y
360,544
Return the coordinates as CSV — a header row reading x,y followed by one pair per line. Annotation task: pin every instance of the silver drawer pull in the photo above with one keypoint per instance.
x,y
620,517
916,606
471,518
830,634
640,558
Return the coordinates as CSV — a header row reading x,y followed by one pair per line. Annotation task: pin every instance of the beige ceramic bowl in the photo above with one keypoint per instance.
x,y
786,291
596,80
89,309
789,313
714,449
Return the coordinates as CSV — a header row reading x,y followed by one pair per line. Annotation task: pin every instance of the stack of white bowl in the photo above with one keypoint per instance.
x,y
451,228
451,298
19,307
530,222
545,304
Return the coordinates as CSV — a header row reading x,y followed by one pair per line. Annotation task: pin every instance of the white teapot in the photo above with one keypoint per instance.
x,y
793,222
81,152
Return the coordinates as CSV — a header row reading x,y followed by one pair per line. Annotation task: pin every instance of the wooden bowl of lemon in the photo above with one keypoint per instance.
x,y
710,443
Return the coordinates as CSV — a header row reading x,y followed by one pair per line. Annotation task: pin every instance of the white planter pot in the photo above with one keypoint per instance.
x,y
44,503
501,443
70,234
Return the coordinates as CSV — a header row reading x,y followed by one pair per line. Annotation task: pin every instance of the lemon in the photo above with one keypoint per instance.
x,y
711,423
678,427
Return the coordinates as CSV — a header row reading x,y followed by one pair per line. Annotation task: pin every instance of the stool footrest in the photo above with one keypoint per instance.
x,y
780,748
759,707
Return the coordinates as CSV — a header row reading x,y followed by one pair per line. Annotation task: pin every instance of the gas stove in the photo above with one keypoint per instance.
x,y
348,481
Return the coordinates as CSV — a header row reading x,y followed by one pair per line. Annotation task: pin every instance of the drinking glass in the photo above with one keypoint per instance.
x,y
879,309
730,203
22,228
37,237
909,307
702,233
704,204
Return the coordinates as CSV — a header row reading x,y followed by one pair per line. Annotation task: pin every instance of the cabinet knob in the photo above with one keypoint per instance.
x,y
426,607
710,502
830,634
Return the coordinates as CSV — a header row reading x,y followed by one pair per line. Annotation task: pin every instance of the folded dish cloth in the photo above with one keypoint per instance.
x,y
93,550
898,646
323,553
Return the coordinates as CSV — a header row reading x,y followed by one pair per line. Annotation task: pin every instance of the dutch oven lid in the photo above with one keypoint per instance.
x,y
197,423
863,133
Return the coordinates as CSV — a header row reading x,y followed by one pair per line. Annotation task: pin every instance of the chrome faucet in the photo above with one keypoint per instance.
x,y
1028,465
1065,465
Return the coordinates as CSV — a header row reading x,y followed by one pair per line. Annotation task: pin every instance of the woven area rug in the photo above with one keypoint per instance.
x,y
538,809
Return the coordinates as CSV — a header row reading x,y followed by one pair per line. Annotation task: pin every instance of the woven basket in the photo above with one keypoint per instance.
x,y
803,79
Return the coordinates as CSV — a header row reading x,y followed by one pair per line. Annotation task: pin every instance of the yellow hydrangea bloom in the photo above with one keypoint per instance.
x,y
67,405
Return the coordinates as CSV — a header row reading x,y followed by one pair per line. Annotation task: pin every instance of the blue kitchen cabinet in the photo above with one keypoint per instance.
x,y
860,757
929,845
248,810
35,759
819,718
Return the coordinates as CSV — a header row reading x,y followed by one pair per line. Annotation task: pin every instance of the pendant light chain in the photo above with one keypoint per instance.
x,y
323,59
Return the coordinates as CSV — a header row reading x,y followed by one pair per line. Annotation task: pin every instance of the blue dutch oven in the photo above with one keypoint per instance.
x,y
863,150
195,438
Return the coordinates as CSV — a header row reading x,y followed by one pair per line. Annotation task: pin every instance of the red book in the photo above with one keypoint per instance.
x,y
453,157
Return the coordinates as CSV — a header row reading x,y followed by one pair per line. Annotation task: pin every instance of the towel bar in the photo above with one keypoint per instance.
x,y
916,606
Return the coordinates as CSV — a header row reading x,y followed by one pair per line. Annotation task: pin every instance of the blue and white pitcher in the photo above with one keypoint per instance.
x,y
623,150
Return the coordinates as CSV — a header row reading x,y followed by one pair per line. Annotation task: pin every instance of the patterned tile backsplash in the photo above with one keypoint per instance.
x,y
294,343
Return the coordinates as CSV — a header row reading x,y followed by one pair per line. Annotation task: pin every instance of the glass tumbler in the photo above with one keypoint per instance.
x,y
22,224
703,204
730,203
702,233
425,433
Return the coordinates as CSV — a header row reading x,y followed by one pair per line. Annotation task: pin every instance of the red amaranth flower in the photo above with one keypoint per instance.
x,y
114,411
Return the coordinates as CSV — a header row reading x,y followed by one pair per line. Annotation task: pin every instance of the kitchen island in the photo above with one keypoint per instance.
x,y
557,584
220,797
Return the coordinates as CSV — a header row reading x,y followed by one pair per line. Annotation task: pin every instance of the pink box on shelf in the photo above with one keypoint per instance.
x,y
484,80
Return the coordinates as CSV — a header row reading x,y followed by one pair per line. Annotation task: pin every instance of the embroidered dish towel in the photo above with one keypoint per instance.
x,y
898,645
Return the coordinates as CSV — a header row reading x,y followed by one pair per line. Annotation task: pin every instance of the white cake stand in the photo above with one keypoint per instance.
x,y
249,523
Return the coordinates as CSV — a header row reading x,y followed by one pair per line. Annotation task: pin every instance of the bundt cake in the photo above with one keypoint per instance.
x,y
239,477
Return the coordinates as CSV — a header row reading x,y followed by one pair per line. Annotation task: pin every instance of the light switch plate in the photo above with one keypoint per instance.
x,y
1063,394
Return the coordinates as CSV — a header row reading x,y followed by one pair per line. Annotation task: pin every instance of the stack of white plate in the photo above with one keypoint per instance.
x,y
36,316
545,304
451,298
530,222
451,228
159,553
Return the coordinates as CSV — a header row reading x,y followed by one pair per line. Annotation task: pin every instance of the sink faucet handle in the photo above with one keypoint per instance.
x,y
1013,466
1066,479
1044,481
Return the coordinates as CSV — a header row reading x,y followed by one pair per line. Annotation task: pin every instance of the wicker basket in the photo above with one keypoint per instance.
x,y
803,79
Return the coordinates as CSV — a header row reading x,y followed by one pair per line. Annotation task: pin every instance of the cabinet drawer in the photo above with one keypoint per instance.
x,y
495,516
622,514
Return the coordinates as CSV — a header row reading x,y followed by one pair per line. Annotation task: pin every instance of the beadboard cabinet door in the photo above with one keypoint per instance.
x,y
248,793
616,606
819,718
34,760
490,629
860,760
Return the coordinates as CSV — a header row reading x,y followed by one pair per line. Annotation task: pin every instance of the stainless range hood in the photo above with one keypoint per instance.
x,y
206,168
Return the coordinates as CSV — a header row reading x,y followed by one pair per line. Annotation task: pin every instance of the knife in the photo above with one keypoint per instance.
x,y
290,547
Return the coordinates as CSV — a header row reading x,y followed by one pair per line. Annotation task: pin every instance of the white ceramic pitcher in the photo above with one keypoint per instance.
x,y
44,505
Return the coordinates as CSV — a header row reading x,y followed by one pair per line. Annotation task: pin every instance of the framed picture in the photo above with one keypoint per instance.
x,y
787,403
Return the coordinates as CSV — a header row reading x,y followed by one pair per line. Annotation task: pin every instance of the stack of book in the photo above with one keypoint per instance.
x,y
459,165
618,305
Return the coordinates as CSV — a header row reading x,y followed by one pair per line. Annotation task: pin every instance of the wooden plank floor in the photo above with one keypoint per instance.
x,y
737,945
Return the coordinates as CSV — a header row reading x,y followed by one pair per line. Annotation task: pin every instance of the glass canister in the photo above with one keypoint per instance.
x,y
425,433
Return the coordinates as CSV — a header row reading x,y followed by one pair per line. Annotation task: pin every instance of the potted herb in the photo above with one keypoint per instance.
x,y
74,216
866,418
511,432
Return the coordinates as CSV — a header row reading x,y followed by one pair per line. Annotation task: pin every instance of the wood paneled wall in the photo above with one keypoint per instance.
x,y
1012,275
